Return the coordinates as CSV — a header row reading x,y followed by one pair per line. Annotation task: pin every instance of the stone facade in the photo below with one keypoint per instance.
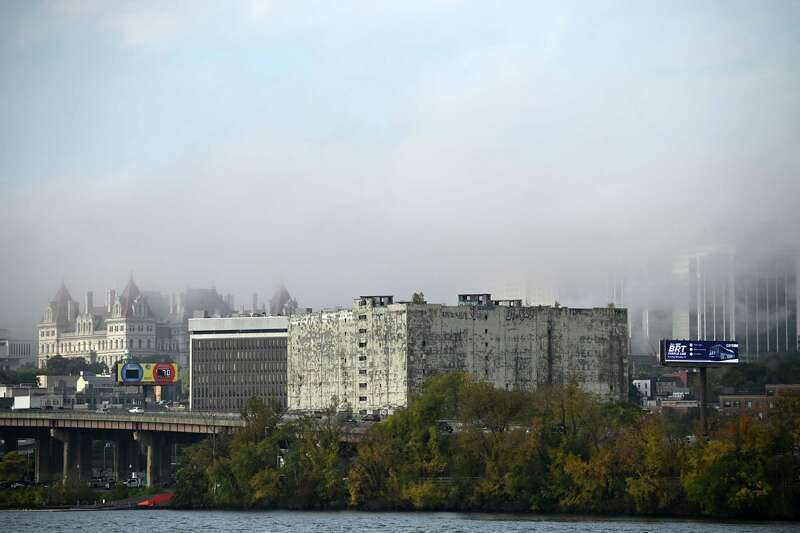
x,y
143,323
102,334
370,358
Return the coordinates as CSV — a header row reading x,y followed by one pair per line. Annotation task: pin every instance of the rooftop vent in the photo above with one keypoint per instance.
x,y
475,299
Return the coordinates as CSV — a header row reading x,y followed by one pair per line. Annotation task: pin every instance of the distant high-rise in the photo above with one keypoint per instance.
x,y
722,294
766,306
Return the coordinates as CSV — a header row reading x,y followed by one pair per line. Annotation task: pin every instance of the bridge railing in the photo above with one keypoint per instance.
x,y
203,417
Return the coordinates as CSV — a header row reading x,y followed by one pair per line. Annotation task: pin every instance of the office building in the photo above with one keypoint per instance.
x,y
15,353
233,359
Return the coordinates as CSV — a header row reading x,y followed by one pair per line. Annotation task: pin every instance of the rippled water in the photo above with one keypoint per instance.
x,y
302,522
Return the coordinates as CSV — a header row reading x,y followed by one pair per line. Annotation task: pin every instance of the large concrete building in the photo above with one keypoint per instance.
x,y
371,357
233,359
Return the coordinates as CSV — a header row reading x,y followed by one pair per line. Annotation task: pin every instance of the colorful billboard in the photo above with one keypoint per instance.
x,y
699,353
132,373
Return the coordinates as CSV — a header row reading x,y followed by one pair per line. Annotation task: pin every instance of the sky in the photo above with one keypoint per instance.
x,y
348,148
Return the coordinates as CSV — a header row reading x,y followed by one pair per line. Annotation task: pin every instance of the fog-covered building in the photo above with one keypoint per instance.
x,y
727,294
15,353
371,357
139,323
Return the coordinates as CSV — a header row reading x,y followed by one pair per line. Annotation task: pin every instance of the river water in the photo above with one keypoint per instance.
x,y
154,521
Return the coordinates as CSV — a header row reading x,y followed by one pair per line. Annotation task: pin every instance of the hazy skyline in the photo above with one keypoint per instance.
x,y
356,147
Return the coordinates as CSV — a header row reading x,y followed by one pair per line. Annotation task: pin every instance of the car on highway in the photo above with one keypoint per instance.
x,y
444,427
374,417
136,410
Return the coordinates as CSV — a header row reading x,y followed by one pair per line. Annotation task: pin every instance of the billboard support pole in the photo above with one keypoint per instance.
x,y
703,402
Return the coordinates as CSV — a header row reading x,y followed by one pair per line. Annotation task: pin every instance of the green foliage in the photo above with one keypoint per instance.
x,y
23,375
191,478
22,498
772,368
463,445
14,467
118,492
72,366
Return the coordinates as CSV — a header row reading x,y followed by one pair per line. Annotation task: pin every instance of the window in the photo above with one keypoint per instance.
x,y
362,357
362,385
363,371
362,398
362,317
362,344
362,331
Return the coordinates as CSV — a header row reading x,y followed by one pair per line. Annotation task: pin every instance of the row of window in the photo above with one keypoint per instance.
x,y
17,349
85,327
110,344
224,368
234,404
238,343
212,391
231,368
132,329
270,355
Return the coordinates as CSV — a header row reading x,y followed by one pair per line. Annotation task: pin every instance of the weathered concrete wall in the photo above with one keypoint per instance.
x,y
319,353
371,358
521,347
348,359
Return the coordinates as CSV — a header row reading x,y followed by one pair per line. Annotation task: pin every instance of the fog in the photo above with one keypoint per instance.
x,y
350,148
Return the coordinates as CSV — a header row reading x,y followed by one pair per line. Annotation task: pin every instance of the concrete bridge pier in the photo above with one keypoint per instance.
x,y
157,449
46,458
77,454
122,458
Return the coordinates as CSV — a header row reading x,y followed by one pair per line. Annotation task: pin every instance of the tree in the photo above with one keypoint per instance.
x,y
14,467
418,298
24,374
727,476
72,366
652,462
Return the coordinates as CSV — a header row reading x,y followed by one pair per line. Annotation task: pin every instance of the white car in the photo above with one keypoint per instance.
x,y
136,410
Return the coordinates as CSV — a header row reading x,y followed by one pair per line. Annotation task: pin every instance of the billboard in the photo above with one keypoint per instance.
x,y
132,373
699,353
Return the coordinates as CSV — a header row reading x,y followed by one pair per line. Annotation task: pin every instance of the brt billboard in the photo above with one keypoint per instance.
x,y
131,373
699,353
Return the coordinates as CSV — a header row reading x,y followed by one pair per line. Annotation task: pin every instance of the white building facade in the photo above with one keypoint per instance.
x,y
371,358
105,334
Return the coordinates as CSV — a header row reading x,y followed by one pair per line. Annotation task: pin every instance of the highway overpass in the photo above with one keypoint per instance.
x,y
64,439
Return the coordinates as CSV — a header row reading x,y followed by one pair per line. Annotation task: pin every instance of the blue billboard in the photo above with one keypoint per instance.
x,y
699,353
